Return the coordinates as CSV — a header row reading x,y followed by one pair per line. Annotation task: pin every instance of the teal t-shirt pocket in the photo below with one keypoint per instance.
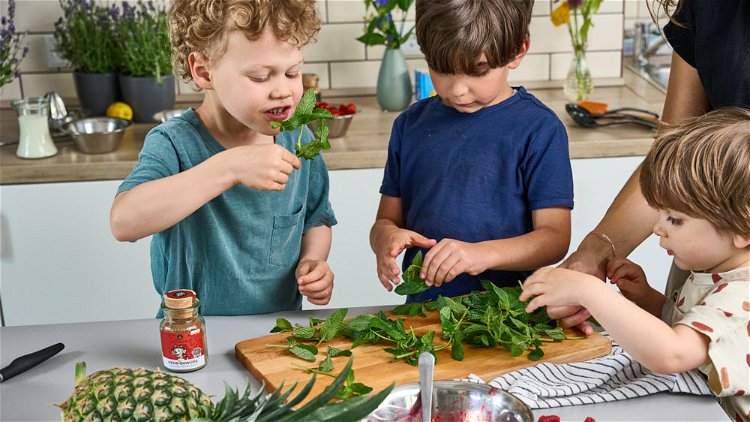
x,y
286,239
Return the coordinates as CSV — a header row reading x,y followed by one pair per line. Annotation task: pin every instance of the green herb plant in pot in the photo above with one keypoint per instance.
x,y
84,36
146,78
394,85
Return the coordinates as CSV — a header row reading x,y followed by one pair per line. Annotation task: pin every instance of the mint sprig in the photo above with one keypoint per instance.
x,y
305,113
412,283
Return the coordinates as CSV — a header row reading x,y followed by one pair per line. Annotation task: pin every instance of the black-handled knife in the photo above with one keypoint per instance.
x,y
29,361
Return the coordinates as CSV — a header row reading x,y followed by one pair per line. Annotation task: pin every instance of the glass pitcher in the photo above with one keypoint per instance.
x,y
35,140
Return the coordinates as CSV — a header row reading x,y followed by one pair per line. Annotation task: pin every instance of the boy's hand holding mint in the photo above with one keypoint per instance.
x,y
305,113
388,243
262,167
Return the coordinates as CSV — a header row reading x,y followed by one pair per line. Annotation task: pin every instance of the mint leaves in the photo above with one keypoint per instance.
x,y
412,283
496,318
493,318
305,113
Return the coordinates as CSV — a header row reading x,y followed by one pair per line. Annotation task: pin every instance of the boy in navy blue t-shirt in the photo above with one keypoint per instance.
x,y
478,177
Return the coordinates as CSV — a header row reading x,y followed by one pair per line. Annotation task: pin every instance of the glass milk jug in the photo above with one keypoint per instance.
x,y
35,140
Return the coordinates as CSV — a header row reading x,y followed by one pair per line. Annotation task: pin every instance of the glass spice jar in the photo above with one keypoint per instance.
x,y
310,81
183,332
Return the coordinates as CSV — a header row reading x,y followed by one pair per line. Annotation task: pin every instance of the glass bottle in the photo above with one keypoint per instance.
x,y
310,81
35,140
578,84
183,332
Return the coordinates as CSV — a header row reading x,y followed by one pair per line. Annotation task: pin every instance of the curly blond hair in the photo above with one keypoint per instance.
x,y
202,26
702,168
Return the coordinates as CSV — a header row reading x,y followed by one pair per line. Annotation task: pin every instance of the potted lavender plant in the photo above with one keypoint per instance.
x,y
146,78
84,36
10,47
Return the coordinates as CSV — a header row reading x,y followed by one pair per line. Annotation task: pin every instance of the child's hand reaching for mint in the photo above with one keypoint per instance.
x,y
315,281
305,113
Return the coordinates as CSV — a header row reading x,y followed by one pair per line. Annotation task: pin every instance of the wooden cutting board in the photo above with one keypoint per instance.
x,y
372,365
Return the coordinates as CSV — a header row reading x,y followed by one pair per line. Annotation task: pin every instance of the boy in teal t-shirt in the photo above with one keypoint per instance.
x,y
235,215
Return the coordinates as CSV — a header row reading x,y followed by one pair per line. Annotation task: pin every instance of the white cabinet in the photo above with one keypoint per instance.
x,y
59,262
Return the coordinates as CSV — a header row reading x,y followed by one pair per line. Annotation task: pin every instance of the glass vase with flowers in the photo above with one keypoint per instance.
x,y
577,15
394,84
84,36
146,79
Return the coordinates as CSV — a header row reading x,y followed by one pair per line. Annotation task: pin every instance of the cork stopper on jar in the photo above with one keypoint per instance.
x,y
180,299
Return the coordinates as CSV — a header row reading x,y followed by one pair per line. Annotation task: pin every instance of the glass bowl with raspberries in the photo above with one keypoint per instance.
x,y
342,117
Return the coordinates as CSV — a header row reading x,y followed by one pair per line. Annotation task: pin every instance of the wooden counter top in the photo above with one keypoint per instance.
x,y
364,145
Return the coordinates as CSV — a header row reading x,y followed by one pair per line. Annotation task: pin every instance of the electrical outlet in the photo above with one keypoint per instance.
x,y
54,60
410,47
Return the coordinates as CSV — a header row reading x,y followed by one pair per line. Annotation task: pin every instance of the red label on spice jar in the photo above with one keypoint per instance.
x,y
183,351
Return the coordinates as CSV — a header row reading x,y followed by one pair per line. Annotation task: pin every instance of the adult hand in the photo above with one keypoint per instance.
x,y
394,241
586,262
591,257
315,281
450,258
262,167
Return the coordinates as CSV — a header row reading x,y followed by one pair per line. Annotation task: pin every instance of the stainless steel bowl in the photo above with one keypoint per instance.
x,y
165,115
453,401
337,126
97,135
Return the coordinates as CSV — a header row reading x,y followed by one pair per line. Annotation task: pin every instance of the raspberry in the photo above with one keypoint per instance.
x,y
549,418
589,419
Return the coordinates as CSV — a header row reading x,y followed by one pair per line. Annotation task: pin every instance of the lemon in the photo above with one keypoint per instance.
x,y
120,110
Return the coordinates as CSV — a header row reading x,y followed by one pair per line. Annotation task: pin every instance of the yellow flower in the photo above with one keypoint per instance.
x,y
561,14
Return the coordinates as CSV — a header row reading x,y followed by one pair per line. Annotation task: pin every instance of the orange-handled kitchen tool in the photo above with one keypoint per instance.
x,y
593,106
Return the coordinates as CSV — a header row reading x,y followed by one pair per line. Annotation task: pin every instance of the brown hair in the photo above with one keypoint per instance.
x,y
669,7
702,168
202,25
453,34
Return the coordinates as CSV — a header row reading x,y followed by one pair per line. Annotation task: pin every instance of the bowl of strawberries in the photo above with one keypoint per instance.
x,y
342,117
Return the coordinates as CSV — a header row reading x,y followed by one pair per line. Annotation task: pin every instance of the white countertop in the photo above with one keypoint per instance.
x,y
30,395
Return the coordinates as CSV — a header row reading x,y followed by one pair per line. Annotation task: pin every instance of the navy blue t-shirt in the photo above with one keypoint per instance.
x,y
476,176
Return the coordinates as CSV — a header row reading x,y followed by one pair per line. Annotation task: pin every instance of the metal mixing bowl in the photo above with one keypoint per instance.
x,y
453,401
97,135
337,126
165,115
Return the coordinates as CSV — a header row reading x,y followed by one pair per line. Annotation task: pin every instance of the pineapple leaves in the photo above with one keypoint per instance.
x,y
352,409
305,113
324,397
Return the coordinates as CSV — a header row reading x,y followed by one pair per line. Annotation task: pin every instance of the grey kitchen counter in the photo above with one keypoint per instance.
x,y
30,395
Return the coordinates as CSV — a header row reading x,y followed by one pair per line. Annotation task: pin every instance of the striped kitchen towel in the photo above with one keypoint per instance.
x,y
616,376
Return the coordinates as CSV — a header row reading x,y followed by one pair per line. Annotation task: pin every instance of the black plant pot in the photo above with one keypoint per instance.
x,y
96,91
147,97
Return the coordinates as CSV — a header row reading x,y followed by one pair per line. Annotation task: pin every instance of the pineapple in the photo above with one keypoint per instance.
x,y
140,394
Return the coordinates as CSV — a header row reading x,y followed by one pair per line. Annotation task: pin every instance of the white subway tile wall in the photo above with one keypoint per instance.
x,y
341,61
637,11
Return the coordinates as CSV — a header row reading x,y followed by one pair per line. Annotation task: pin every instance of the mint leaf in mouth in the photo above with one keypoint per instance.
x,y
305,113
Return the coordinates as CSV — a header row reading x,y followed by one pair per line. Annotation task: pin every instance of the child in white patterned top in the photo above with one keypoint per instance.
x,y
698,176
